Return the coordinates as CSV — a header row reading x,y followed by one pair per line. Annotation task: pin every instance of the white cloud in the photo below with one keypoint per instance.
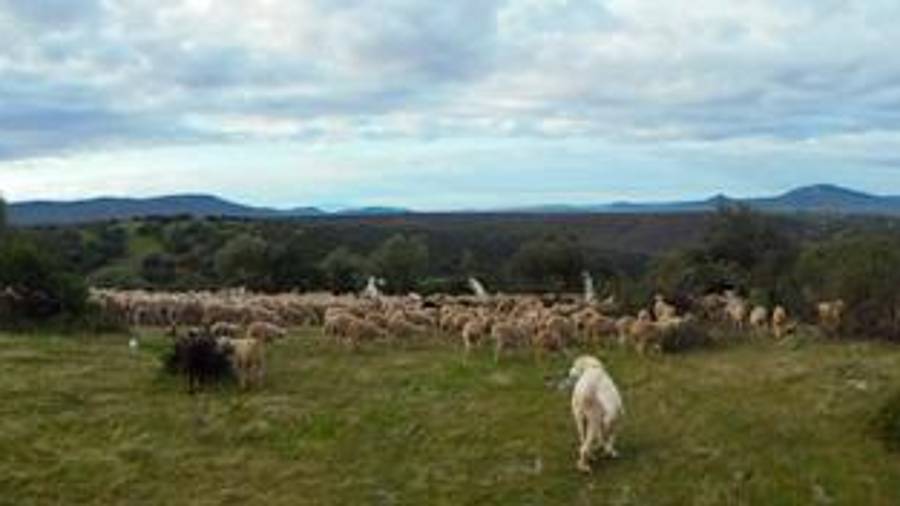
x,y
812,79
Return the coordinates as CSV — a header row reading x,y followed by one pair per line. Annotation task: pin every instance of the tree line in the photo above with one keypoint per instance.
x,y
770,259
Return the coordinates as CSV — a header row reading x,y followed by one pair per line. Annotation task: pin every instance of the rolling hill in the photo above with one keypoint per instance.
x,y
829,199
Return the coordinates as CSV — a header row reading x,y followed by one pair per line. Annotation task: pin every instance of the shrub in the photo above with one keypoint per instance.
x,y
887,423
35,288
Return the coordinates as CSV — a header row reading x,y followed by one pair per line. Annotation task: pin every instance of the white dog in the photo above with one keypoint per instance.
x,y
596,406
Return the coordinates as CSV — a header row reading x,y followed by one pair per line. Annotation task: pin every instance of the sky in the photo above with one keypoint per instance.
x,y
447,104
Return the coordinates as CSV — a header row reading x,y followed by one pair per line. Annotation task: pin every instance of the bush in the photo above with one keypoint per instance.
x,y
35,288
887,423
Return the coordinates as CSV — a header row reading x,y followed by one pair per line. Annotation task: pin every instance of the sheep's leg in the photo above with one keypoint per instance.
x,y
498,349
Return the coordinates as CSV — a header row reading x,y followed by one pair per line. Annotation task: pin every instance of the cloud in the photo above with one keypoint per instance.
x,y
767,76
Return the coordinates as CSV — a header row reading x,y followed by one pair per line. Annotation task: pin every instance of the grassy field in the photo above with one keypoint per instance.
x,y
83,421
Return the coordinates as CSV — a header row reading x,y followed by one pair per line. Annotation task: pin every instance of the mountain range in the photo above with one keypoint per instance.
x,y
809,199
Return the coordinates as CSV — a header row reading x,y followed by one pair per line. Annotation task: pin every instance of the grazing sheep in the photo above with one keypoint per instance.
x,y
359,330
831,315
644,334
600,327
623,328
398,326
736,309
596,407
663,310
475,331
759,318
265,331
547,339
249,359
780,324
561,328
506,334
225,329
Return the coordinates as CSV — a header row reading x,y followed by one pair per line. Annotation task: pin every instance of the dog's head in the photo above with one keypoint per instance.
x,y
582,364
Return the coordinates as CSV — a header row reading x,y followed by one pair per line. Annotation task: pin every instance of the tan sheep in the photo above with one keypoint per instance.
x,y
265,331
474,332
623,328
736,309
780,324
831,315
225,329
663,310
398,326
506,334
759,318
359,331
249,360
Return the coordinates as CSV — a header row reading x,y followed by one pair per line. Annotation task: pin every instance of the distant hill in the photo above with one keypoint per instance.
x,y
810,199
102,209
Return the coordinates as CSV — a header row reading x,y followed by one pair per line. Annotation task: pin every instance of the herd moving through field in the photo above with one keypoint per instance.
x,y
243,325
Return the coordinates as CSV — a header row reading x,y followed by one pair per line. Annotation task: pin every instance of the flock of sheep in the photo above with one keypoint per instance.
x,y
245,323
542,323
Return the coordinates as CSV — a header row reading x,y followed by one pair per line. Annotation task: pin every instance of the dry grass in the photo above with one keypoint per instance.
x,y
82,421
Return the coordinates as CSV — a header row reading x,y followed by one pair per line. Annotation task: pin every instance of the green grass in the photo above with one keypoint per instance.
x,y
82,421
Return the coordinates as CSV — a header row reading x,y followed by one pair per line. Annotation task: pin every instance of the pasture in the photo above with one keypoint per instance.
x,y
85,421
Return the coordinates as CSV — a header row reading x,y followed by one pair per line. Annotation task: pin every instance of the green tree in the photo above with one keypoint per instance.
x,y
402,261
343,271
243,261
158,268
292,265
553,261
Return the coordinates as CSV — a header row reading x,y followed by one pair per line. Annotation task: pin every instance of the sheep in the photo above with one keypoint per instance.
x,y
506,334
359,330
759,318
831,314
562,328
663,310
265,331
225,329
643,333
623,328
712,306
599,327
597,408
474,332
249,360
398,326
736,309
780,324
